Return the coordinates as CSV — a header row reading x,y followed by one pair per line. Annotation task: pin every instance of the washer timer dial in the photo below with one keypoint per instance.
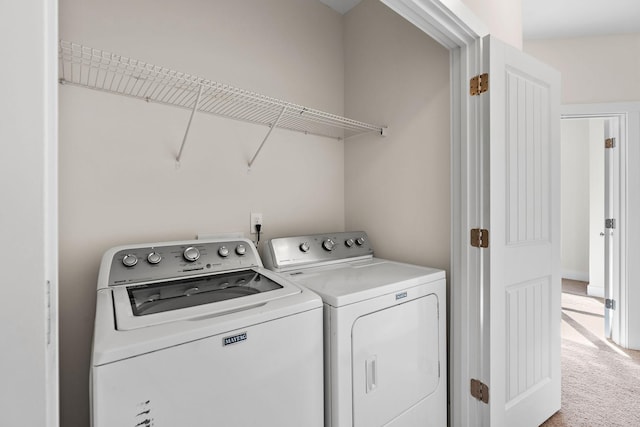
x,y
191,254
223,251
328,244
130,260
154,258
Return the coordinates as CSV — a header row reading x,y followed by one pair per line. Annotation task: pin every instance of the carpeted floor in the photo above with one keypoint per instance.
x,y
600,381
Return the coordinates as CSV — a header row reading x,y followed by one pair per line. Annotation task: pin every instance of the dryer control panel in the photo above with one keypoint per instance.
x,y
303,251
190,258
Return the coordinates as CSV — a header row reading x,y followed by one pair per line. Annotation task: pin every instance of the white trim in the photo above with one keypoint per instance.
x,y
599,110
627,208
28,182
51,86
449,22
582,276
454,26
595,291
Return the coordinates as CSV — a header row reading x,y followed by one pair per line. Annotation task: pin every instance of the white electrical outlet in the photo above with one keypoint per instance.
x,y
256,218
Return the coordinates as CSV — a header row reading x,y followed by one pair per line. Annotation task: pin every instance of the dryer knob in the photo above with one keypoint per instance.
x,y
154,258
304,247
130,260
223,251
328,244
241,250
360,241
191,254
349,242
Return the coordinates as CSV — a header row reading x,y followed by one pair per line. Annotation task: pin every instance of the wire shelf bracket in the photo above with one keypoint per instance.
x,y
253,159
104,71
186,132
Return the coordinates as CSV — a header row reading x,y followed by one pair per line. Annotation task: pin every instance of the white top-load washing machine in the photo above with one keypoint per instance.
x,y
384,324
198,333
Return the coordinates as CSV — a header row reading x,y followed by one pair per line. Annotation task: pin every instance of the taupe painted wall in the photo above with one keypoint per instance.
x,y
397,188
594,69
575,199
503,18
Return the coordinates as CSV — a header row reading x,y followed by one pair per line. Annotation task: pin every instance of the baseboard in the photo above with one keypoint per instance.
x,y
581,276
595,291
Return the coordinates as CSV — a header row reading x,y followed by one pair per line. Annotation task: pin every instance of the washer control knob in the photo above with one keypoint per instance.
x,y
349,242
154,258
304,247
328,244
130,260
223,251
240,250
360,241
191,254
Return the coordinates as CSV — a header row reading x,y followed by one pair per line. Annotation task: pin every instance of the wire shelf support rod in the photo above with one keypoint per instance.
x,y
253,159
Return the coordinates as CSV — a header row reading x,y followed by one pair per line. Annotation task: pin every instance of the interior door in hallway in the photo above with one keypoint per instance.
x,y
521,282
611,183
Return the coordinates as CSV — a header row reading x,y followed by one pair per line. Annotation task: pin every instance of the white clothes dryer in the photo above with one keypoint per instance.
x,y
384,330
199,333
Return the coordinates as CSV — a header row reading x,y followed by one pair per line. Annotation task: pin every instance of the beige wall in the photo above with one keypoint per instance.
x,y
596,207
118,182
502,17
594,69
575,199
397,188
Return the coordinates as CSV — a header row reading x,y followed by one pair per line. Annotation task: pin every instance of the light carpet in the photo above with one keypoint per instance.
x,y
600,381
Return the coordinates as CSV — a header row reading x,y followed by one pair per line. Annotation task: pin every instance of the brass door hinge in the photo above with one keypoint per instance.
x,y
479,84
610,143
479,390
479,238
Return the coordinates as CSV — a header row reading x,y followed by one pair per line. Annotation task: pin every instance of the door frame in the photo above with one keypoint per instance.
x,y
628,115
455,27
29,184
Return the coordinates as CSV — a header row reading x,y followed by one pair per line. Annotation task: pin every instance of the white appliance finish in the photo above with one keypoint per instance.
x,y
199,333
385,326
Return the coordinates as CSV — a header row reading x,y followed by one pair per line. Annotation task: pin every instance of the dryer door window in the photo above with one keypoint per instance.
x,y
394,360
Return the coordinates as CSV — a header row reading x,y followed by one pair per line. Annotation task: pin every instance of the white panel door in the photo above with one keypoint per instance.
x,y
611,244
521,283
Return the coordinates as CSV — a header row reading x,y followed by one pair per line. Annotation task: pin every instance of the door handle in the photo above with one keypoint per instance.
x,y
602,233
371,370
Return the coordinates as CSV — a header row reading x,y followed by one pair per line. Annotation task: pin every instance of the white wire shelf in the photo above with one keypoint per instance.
x,y
96,69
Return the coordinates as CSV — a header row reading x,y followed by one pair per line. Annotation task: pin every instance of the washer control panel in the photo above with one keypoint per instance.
x,y
290,252
148,263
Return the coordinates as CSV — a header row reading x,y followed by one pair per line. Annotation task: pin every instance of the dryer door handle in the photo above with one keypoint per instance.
x,y
371,373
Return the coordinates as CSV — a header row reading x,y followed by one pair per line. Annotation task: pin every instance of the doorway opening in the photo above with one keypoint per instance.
x,y
593,211
593,172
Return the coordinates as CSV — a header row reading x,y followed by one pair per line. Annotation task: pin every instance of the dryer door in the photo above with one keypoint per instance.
x,y
395,360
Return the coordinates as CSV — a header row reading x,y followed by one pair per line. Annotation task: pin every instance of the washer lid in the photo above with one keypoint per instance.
x,y
351,282
211,295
